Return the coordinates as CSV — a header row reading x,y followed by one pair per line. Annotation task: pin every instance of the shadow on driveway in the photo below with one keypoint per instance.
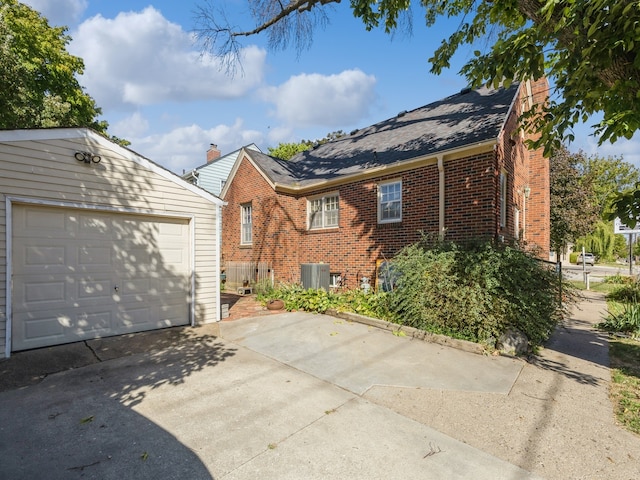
x,y
82,422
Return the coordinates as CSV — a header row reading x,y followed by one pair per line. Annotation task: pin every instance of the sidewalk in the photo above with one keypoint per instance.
x,y
557,421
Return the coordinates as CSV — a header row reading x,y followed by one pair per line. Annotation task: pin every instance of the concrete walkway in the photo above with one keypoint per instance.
x,y
556,421
303,396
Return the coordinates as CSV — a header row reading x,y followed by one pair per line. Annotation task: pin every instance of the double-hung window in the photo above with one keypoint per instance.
x,y
390,202
323,212
246,224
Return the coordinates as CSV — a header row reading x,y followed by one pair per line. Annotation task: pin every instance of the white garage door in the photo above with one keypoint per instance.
x,y
80,274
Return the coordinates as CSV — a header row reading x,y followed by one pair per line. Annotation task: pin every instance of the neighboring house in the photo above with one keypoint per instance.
x,y
457,168
213,175
99,241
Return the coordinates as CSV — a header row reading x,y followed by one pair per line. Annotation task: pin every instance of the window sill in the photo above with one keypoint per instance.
x,y
250,245
323,230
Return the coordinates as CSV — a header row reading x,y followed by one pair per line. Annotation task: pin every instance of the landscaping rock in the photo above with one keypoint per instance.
x,y
513,342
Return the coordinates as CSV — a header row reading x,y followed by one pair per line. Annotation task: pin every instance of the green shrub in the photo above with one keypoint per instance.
x,y
620,279
625,320
371,304
625,294
263,288
295,297
476,291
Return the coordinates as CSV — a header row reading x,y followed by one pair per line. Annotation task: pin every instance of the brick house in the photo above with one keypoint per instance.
x,y
457,168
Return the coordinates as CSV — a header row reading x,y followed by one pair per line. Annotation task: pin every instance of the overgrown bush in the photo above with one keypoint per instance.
x,y
625,320
624,316
618,279
628,293
476,291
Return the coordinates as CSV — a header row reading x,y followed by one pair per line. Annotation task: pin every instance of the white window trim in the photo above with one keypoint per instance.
x,y
244,206
322,198
379,202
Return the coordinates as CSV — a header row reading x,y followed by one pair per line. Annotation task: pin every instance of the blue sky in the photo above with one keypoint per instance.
x,y
158,91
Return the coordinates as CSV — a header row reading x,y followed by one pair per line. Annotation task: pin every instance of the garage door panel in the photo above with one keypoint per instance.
x,y
47,327
174,257
96,256
49,292
55,224
94,289
171,314
42,255
92,325
136,318
80,275
36,254
172,286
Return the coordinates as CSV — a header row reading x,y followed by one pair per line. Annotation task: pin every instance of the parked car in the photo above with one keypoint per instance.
x,y
589,259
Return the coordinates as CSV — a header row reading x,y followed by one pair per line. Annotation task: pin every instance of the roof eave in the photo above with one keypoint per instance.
x,y
90,135
432,158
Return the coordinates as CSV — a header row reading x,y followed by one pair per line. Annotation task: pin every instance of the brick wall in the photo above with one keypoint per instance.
x,y
539,202
472,206
281,238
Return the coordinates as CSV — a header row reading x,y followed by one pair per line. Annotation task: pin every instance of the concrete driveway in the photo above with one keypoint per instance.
x,y
275,397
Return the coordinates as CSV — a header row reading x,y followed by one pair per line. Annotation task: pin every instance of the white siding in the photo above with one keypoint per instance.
x,y
40,166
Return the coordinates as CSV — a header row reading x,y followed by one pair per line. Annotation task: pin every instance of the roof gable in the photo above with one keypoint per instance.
x,y
212,175
51,134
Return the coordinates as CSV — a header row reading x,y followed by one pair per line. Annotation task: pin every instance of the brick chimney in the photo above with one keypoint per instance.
x,y
213,153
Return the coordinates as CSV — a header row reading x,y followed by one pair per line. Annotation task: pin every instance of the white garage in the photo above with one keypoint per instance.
x,y
100,248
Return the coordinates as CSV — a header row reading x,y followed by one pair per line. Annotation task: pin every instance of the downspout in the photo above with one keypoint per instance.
x,y
218,314
441,192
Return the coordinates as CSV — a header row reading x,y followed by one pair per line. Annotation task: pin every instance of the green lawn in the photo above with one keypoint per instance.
x,y
594,286
624,355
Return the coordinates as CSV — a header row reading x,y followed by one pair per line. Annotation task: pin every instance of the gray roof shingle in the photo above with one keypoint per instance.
x,y
464,119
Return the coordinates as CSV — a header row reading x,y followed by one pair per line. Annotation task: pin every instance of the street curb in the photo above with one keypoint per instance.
x,y
410,332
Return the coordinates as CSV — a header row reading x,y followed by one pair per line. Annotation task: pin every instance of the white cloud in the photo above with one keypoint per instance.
x,y
629,150
184,148
134,125
140,58
323,100
279,135
59,12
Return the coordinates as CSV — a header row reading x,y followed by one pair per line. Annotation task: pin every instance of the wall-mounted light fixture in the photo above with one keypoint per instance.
x,y
87,157
527,192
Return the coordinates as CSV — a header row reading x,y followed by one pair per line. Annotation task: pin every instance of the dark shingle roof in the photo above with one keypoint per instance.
x,y
464,119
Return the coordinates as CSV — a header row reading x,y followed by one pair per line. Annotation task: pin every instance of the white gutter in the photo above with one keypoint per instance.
x,y
441,198
382,170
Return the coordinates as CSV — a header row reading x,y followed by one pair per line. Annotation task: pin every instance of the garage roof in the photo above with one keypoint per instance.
x,y
91,136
